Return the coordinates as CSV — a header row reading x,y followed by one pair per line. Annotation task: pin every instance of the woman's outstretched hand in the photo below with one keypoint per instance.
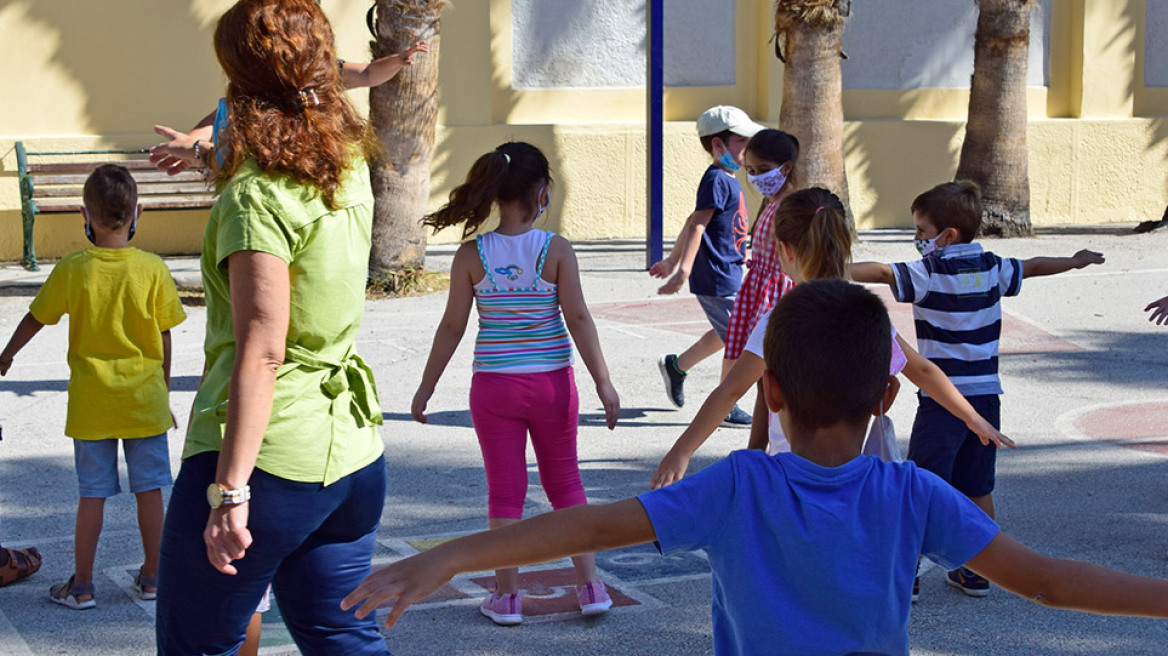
x,y
174,155
226,536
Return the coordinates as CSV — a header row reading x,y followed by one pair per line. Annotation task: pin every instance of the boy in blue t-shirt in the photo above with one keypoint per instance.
x,y
711,248
812,551
956,290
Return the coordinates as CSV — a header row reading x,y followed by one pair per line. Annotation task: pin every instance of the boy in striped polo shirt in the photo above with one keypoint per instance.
x,y
956,290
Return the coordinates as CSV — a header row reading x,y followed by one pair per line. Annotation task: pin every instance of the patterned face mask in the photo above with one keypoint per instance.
x,y
768,184
927,247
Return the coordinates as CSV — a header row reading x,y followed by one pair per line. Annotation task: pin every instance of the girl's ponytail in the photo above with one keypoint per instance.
x,y
813,223
509,173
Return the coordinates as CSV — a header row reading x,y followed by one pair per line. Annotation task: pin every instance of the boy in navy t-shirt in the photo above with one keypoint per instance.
x,y
956,290
812,551
711,248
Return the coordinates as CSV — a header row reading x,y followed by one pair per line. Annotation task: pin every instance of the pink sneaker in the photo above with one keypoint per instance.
x,y
593,598
504,609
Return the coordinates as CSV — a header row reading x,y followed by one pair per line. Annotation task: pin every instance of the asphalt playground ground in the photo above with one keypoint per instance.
x,y
1086,400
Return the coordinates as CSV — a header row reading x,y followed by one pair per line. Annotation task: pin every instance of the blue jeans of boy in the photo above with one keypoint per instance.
x,y
312,543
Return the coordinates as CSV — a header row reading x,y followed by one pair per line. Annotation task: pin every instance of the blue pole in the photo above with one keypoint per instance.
x,y
654,249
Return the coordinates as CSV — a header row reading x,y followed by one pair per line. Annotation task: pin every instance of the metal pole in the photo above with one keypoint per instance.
x,y
654,249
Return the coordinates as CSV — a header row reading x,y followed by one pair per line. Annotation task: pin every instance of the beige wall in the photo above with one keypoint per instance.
x,y
99,74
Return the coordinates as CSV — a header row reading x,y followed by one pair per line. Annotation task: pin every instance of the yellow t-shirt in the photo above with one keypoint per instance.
x,y
119,302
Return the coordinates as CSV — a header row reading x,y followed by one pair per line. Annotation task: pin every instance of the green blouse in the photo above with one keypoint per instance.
x,y
325,407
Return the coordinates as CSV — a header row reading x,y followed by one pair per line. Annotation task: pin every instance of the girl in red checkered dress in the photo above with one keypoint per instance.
x,y
769,161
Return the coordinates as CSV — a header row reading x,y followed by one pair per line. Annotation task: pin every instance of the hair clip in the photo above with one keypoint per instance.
x,y
307,98
819,209
507,157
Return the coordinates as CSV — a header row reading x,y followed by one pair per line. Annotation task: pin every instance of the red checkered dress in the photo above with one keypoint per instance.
x,y
764,285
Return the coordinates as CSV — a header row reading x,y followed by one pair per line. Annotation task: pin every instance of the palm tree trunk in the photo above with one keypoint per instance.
x,y
404,113
812,109
994,153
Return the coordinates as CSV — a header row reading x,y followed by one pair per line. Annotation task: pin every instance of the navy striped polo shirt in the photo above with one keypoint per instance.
x,y
957,310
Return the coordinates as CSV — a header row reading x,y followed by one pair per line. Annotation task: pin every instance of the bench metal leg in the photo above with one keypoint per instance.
x,y
29,261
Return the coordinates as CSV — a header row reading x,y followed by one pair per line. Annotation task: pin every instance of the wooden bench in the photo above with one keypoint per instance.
x,y
51,183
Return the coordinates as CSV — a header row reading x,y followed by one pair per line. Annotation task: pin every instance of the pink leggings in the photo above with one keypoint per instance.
x,y
504,408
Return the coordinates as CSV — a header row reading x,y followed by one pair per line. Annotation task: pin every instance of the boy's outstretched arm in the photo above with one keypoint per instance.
x,y
1069,584
567,532
26,330
1048,266
876,272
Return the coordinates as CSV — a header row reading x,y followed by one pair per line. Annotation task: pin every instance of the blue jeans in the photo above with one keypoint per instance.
x,y
312,543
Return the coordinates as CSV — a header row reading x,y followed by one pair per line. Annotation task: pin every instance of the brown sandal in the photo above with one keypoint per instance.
x,y
22,563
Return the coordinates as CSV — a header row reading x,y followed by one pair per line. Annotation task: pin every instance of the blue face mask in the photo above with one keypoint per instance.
x,y
728,163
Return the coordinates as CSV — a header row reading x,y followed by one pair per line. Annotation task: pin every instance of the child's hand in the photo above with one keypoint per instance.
x,y
673,286
671,470
1085,257
418,407
407,56
5,365
408,581
987,433
662,269
611,402
174,155
1158,308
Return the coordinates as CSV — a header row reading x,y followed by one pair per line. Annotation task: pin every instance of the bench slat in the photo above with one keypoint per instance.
x,y
62,205
67,167
147,189
140,177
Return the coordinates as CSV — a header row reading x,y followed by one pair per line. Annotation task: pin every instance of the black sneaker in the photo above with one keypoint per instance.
x,y
916,595
738,418
968,582
674,379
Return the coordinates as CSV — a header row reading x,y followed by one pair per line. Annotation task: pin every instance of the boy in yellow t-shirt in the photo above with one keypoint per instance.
x,y
122,303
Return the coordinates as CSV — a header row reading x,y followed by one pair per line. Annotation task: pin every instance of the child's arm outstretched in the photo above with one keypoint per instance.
x,y
26,330
875,272
380,71
1159,310
745,373
582,327
1069,584
929,377
567,532
1048,266
451,329
685,250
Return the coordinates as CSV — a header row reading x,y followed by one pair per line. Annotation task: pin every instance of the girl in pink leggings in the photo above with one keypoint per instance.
x,y
519,279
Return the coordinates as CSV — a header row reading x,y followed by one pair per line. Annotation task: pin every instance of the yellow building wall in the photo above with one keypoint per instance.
x,y
100,74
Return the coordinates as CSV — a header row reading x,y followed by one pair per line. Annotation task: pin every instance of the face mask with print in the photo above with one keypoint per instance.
x,y
927,247
769,183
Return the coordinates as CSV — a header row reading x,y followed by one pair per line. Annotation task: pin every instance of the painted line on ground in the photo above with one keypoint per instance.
x,y
11,644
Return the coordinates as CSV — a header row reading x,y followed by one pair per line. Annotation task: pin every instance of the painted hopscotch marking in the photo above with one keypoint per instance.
x,y
1137,425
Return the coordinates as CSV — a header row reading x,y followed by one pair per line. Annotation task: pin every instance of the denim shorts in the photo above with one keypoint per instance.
x,y
942,444
147,463
717,309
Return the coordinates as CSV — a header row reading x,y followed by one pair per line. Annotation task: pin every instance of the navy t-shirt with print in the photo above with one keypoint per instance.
x,y
717,270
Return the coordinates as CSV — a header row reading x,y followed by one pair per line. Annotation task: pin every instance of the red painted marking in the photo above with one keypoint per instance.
x,y
550,591
1146,422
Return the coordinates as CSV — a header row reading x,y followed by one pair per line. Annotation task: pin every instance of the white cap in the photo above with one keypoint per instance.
x,y
723,118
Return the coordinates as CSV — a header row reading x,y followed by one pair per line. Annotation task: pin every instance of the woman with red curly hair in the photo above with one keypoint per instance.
x,y
282,479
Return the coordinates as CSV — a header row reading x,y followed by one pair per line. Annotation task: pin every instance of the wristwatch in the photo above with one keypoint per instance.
x,y
218,496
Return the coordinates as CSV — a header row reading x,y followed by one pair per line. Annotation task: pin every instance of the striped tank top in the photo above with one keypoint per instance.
x,y
521,328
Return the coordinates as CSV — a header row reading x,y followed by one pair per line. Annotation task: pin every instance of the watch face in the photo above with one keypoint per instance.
x,y
214,495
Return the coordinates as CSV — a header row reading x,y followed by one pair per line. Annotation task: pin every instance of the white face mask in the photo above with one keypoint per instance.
x,y
769,183
927,247
542,205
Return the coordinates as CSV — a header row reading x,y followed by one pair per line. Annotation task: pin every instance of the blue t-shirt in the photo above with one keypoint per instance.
x,y
815,560
717,269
